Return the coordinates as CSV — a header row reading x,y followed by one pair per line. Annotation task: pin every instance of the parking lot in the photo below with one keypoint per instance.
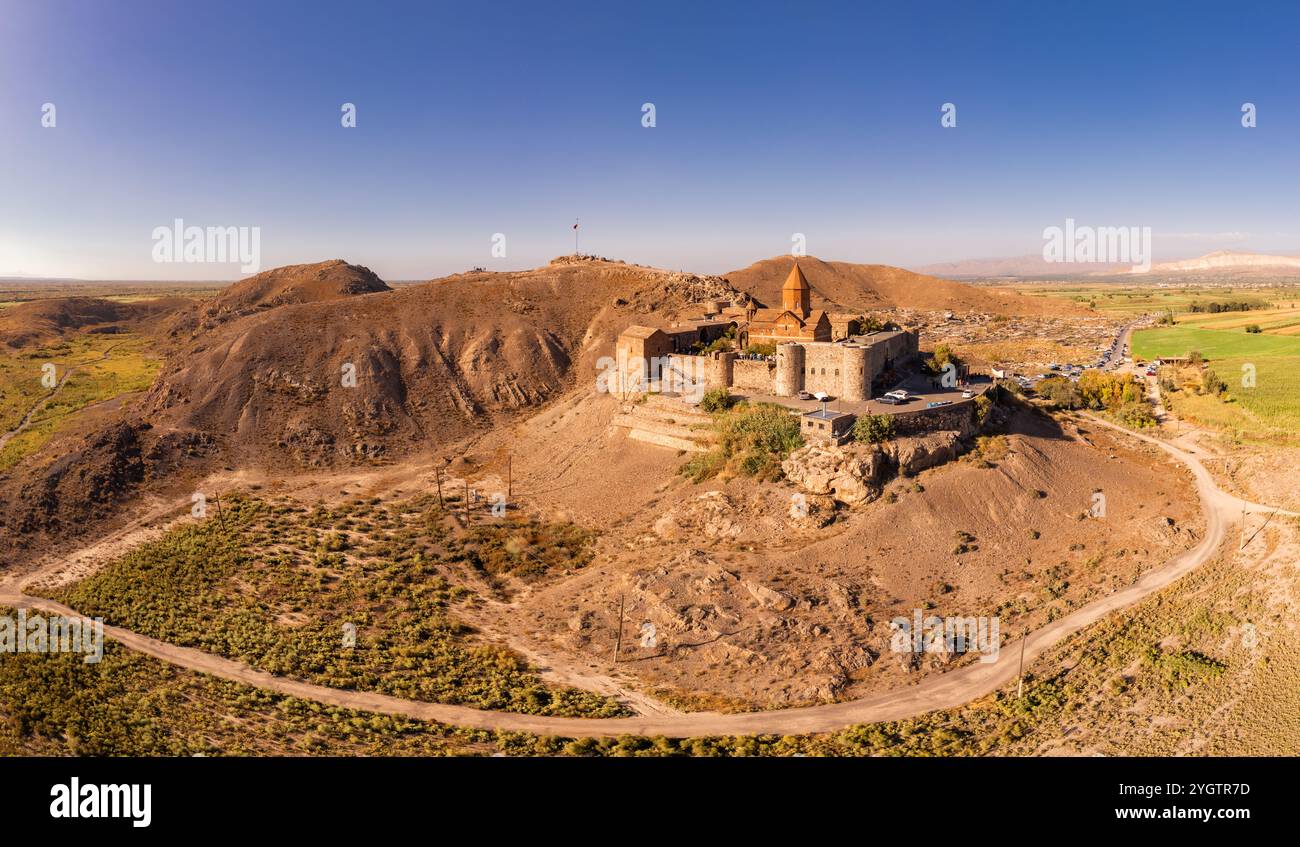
x,y
919,387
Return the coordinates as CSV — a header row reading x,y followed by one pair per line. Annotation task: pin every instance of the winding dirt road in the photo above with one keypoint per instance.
x,y
941,692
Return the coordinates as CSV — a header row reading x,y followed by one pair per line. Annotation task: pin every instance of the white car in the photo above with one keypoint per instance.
x,y
966,395
899,395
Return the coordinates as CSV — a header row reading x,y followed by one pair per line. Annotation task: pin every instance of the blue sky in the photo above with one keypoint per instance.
x,y
772,119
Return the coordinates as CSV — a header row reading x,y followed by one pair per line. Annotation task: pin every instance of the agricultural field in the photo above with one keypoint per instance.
x,y
1268,411
1280,321
1134,300
98,368
368,595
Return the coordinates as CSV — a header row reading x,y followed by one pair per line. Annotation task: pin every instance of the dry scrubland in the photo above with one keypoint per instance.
x,y
273,584
1180,674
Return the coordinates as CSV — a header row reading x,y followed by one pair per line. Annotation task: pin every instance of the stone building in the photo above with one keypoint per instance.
x,y
845,369
807,359
794,321
826,426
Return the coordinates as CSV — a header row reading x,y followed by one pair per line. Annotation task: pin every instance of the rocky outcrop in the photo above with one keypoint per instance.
x,y
855,473
769,598
851,474
913,455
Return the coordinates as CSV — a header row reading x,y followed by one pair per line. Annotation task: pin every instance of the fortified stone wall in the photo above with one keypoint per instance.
x,y
823,368
959,417
789,369
754,375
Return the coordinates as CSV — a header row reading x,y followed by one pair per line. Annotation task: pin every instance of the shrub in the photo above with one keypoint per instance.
x,y
716,400
1212,383
1060,392
873,429
1137,415
1254,328
753,438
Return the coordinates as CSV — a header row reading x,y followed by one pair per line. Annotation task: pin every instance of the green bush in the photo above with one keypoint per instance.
x,y
716,400
752,439
1137,415
1060,392
1212,383
873,429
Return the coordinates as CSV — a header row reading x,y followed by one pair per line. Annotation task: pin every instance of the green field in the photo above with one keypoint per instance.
x,y
1270,411
106,366
1283,321
1117,298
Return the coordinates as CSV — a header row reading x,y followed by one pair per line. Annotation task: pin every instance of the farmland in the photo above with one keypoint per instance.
x,y
1269,411
1280,321
1133,300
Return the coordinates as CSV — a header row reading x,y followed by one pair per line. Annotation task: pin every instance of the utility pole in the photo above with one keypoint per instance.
x,y
575,237
618,641
1241,533
509,477
438,475
467,503
221,517
1020,688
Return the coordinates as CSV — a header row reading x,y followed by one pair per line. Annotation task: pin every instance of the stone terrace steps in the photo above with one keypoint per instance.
x,y
667,422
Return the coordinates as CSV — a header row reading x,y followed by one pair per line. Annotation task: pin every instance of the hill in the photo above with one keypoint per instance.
x,y
40,321
848,287
321,282
432,362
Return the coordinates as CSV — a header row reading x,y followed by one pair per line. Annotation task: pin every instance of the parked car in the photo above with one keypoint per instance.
x,y
889,401
966,395
935,403
900,395
804,395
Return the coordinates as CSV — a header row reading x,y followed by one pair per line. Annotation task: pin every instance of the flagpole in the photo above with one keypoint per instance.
x,y
575,236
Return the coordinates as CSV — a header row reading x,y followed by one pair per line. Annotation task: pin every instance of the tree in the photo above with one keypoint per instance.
x,y
942,356
1212,383
1060,392
873,429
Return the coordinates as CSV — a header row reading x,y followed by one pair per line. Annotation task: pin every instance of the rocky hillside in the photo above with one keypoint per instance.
x,y
360,372
321,282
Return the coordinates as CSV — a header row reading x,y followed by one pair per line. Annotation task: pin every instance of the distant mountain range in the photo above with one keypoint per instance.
x,y
1220,263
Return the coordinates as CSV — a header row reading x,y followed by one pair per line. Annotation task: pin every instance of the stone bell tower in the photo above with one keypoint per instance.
x,y
795,293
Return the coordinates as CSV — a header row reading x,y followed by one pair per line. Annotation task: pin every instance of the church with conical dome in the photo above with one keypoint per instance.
x,y
794,321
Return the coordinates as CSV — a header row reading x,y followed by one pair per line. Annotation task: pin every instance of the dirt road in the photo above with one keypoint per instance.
x,y
945,691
